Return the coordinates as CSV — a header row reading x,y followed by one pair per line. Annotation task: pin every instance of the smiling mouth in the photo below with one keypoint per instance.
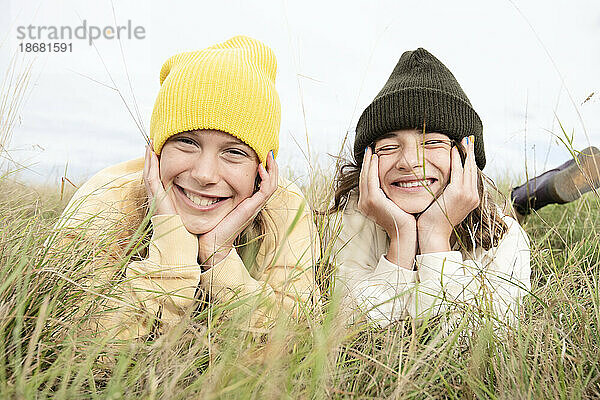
x,y
202,201
414,183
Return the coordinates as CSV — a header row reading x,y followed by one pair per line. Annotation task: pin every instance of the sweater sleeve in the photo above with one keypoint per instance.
x,y
386,292
491,281
159,288
96,231
286,282
366,280
163,285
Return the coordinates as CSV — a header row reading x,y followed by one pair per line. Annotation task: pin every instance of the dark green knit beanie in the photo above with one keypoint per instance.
x,y
420,92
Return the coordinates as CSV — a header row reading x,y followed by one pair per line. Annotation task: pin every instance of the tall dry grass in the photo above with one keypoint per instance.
x,y
552,352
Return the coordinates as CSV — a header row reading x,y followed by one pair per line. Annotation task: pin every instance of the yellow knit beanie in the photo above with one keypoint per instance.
x,y
228,87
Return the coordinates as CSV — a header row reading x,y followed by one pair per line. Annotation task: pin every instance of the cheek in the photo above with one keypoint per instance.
x,y
443,164
384,165
242,180
165,172
168,167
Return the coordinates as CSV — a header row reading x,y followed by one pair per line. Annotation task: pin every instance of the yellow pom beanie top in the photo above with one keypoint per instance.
x,y
228,87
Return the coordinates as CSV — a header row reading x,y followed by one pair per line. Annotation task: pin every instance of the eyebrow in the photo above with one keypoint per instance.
x,y
385,136
229,141
391,135
235,140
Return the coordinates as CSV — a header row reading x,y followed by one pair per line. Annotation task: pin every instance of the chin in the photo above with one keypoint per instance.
x,y
413,207
415,210
199,228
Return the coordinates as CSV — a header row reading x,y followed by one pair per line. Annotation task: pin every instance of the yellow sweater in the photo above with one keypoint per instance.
x,y
166,285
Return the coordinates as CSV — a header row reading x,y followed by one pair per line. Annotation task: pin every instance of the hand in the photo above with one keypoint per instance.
x,y
214,245
460,197
154,187
375,205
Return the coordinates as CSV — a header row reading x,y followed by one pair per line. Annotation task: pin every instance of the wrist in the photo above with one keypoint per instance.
x,y
433,243
210,258
402,251
161,205
433,237
406,232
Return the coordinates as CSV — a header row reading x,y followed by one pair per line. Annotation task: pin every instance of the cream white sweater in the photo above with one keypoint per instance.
x,y
384,292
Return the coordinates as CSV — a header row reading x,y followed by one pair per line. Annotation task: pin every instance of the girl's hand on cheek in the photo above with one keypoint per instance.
x,y
213,246
375,205
154,187
459,198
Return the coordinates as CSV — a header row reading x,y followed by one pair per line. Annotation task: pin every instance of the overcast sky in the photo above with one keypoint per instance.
x,y
525,65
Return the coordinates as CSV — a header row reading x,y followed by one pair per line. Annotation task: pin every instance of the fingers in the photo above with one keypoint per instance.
x,y
470,167
373,175
456,167
363,189
470,163
269,177
371,196
470,177
146,167
472,172
154,185
153,176
273,170
461,196
150,172
244,213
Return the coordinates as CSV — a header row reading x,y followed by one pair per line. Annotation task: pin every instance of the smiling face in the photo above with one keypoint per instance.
x,y
211,173
414,168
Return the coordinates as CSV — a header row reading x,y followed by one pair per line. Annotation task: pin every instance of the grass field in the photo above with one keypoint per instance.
x,y
553,352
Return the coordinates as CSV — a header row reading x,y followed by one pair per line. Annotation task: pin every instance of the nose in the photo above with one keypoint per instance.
x,y
410,156
206,169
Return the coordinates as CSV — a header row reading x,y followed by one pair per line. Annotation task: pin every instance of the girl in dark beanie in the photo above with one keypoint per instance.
x,y
420,232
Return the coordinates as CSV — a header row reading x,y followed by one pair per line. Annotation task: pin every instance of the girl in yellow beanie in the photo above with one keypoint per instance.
x,y
224,225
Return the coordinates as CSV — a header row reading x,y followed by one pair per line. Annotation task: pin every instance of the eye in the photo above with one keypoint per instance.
x,y
186,140
386,149
235,152
437,143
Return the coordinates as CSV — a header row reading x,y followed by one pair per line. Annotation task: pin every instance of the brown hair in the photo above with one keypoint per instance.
x,y
483,226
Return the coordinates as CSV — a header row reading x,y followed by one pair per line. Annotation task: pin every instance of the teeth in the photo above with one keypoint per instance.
x,y
423,182
201,200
